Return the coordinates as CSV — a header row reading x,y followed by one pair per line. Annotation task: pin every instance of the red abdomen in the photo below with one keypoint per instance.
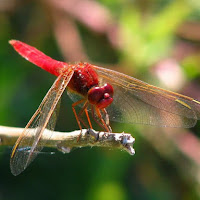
x,y
83,79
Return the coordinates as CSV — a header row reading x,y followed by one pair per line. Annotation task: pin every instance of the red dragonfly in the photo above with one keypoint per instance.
x,y
107,94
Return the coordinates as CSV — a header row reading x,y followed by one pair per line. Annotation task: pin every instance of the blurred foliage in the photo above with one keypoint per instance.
x,y
129,36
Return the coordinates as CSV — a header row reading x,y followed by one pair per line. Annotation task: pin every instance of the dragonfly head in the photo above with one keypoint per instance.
x,y
101,96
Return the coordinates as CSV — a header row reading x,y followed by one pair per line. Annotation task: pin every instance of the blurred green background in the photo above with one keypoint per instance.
x,y
157,41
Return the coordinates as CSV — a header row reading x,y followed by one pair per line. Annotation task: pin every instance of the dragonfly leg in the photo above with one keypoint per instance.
x,y
78,116
74,111
84,109
107,119
96,120
88,118
80,119
102,120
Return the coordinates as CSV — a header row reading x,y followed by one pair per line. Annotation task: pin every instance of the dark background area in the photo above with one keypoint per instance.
x,y
157,41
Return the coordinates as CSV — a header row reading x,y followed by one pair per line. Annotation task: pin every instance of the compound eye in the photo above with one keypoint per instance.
x,y
108,89
101,96
95,95
104,103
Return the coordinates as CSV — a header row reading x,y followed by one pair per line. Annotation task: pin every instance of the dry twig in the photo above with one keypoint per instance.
x,y
64,141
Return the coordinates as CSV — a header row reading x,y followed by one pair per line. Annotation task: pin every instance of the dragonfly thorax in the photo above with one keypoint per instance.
x,y
83,79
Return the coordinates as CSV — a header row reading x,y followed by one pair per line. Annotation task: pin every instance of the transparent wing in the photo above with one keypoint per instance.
x,y
138,102
32,139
